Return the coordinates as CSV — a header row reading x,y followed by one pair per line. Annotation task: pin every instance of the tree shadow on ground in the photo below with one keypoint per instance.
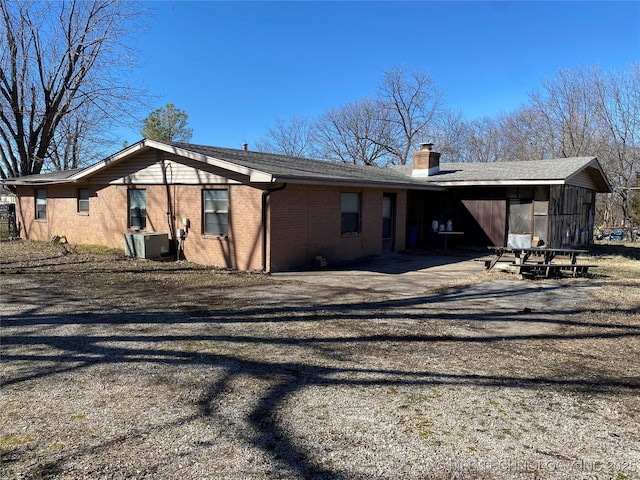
x,y
31,339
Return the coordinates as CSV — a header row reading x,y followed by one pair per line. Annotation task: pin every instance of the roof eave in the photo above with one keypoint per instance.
x,y
303,180
19,182
142,144
217,162
498,183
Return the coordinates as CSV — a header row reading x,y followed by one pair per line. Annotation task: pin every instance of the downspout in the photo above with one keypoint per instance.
x,y
265,199
170,213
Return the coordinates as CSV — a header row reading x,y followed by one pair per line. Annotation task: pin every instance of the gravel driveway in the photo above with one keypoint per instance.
x,y
115,368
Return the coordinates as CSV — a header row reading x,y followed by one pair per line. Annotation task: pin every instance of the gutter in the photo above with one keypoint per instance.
x,y
389,184
265,199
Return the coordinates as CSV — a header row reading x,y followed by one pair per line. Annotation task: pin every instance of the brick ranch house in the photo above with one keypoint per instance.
x,y
255,211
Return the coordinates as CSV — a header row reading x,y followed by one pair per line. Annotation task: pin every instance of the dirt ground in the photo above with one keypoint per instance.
x,y
120,368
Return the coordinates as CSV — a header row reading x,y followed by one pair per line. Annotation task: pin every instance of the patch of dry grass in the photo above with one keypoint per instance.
x,y
93,271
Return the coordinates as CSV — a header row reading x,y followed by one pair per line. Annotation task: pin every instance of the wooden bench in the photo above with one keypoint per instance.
x,y
489,263
551,269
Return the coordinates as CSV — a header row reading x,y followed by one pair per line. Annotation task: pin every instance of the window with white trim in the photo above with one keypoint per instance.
x,y
41,203
83,200
137,209
215,212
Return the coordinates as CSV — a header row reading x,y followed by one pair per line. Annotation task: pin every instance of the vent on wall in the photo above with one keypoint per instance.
x,y
146,245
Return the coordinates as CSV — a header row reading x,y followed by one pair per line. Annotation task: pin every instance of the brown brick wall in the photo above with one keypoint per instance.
x,y
107,220
242,248
304,222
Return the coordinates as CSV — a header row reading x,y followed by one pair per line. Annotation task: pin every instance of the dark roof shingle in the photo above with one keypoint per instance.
x,y
281,168
286,168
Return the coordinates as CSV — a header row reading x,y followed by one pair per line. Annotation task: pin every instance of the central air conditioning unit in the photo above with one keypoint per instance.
x,y
146,245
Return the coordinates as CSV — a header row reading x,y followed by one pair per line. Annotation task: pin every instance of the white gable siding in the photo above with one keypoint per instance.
x,y
147,169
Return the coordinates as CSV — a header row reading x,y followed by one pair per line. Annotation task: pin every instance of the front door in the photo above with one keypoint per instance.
x,y
388,221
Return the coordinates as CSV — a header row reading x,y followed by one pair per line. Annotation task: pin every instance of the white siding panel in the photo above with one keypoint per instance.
x,y
147,169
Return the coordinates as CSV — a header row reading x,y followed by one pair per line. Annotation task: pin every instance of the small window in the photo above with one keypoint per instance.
x,y
41,204
350,208
137,209
83,200
520,216
215,206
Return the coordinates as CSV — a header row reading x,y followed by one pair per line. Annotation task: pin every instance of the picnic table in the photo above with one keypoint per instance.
x,y
446,234
539,261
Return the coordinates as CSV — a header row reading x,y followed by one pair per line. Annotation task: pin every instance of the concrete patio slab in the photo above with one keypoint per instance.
x,y
395,273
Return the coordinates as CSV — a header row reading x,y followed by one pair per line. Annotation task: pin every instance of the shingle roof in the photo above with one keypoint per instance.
x,y
558,170
555,170
51,177
285,168
261,167
551,169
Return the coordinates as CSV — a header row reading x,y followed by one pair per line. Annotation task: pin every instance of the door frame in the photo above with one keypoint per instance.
x,y
389,242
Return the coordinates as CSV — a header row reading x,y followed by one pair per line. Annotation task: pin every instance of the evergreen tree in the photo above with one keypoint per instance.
x,y
168,124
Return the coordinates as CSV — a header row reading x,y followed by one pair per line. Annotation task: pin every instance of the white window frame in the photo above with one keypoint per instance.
x,y
139,210
83,203
215,212
41,204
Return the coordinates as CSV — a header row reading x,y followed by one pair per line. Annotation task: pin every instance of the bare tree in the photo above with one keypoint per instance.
x,y
383,130
449,131
63,78
523,135
484,141
635,205
566,119
581,112
410,106
291,137
77,140
616,101
355,133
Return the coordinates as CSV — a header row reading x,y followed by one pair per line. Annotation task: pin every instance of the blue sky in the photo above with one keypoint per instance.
x,y
235,67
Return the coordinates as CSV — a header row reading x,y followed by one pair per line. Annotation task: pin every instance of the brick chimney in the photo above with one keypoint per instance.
x,y
425,162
